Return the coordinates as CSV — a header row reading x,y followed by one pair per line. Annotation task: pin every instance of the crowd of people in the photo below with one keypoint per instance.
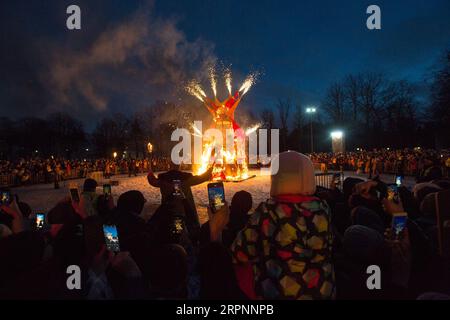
x,y
304,242
37,170
411,162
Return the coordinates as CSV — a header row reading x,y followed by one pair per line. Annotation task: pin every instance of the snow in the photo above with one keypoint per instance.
x,y
43,197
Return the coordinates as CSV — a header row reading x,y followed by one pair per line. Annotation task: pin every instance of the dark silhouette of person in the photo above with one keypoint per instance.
x,y
166,183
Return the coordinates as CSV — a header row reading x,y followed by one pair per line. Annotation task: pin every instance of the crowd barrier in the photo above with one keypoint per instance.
x,y
11,180
321,166
325,180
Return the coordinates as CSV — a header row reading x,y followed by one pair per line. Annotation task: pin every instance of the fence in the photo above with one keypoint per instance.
x,y
325,180
11,180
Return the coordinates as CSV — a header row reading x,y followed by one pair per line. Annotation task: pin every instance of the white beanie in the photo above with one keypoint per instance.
x,y
295,175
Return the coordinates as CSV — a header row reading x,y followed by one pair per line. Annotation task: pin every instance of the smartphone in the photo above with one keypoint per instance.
x,y
177,226
392,193
216,196
398,224
79,230
5,198
40,220
107,190
398,180
111,237
176,187
74,194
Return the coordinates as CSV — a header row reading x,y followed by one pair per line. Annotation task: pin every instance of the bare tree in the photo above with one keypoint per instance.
x,y
268,119
439,109
373,108
299,114
284,107
268,122
335,103
295,137
67,133
372,93
352,84
111,134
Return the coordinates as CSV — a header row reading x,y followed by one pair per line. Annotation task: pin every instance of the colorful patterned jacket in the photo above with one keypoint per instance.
x,y
288,242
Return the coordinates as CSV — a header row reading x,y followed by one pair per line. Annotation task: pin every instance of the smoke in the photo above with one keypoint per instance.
x,y
127,67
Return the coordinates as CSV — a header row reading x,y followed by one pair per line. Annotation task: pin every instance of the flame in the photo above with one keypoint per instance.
x,y
205,158
222,158
252,129
196,90
212,78
228,79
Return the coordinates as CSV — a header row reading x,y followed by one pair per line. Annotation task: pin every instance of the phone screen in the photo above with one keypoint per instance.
x,y
398,225
392,193
74,194
216,195
398,180
107,189
5,197
111,237
40,220
176,187
178,226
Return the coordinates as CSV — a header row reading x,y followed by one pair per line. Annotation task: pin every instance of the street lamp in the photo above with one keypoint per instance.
x,y
115,155
337,135
311,112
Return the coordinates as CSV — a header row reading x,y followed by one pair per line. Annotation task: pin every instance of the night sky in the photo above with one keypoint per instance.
x,y
131,53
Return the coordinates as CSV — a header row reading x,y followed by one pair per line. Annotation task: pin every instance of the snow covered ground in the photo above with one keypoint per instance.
x,y
44,197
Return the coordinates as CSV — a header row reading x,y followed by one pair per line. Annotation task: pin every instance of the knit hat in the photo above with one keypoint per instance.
x,y
368,218
295,175
361,242
131,201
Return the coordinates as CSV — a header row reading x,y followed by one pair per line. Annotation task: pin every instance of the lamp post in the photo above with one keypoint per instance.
x,y
311,112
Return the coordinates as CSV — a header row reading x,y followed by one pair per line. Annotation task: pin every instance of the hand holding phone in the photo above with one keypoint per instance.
x,y
216,196
392,193
218,222
398,225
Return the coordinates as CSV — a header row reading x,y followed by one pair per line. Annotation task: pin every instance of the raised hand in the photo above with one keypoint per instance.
x,y
218,221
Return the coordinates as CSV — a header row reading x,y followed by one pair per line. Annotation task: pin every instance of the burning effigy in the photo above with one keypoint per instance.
x,y
229,157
